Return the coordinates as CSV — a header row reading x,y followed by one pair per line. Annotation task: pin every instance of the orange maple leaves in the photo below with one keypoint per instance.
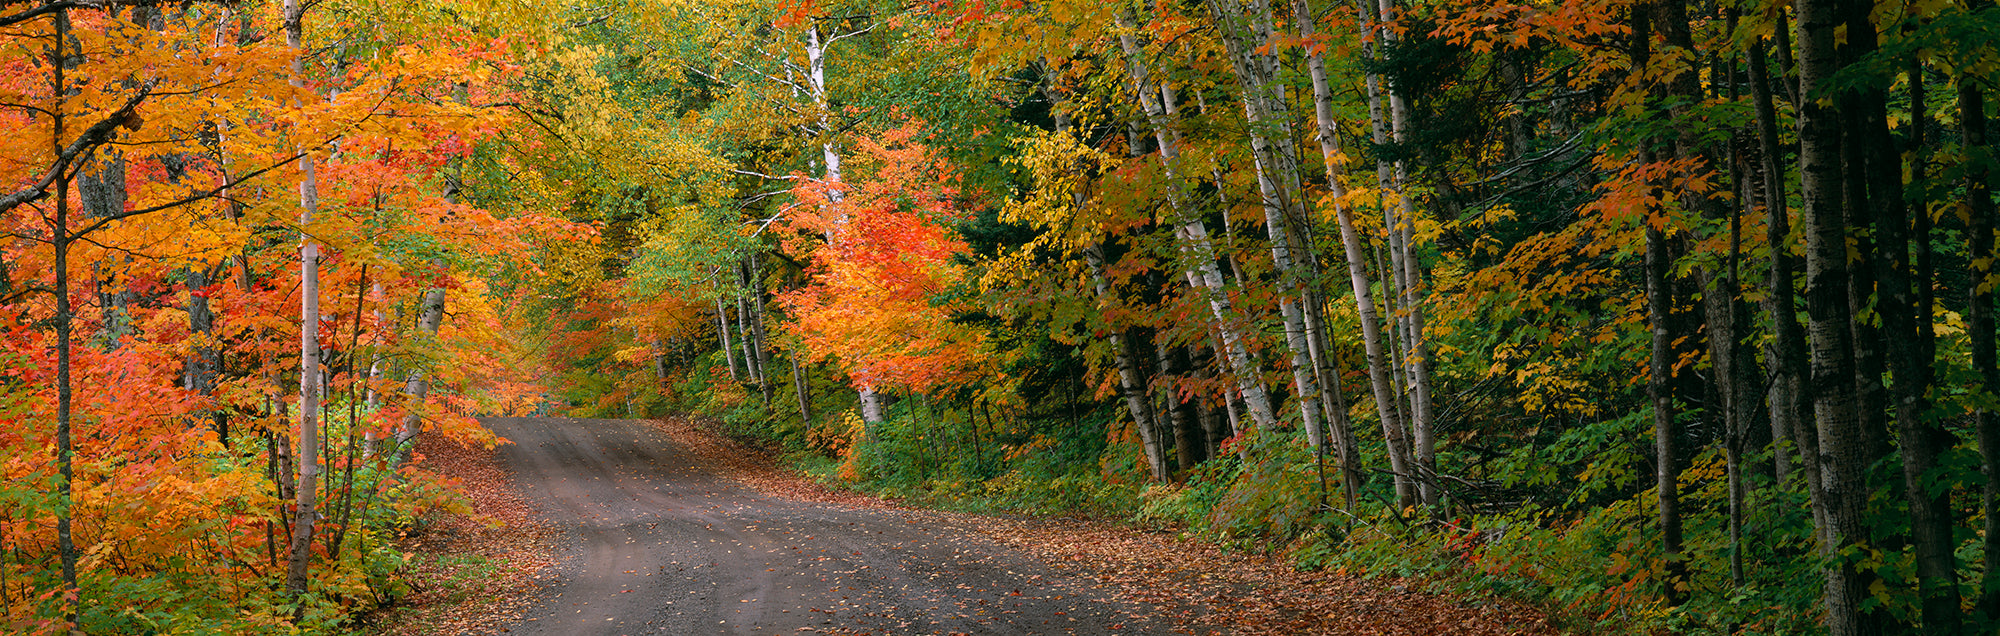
x,y
877,302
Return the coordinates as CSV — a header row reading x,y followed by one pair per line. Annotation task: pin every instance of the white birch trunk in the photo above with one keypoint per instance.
x,y
751,370
1383,364
416,386
1192,235
1409,280
372,438
1276,162
871,402
307,491
1131,379
722,332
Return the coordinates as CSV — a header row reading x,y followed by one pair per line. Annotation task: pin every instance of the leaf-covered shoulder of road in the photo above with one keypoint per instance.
x,y
1203,588
470,573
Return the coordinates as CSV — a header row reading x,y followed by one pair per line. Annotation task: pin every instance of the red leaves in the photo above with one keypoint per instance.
x,y
887,256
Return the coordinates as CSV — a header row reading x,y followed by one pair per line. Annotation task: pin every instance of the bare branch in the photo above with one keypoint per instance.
x,y
849,34
210,193
749,173
97,134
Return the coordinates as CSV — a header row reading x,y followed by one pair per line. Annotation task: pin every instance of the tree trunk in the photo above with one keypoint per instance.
x,y
659,364
65,325
1788,407
1187,423
1855,106
799,388
101,193
1718,303
1131,377
417,387
751,372
372,440
1401,223
830,162
1731,377
1907,357
309,384
1871,398
1244,31
1214,422
1192,235
1395,285
1371,331
1842,494
1666,474
1979,324
203,361
722,333
755,279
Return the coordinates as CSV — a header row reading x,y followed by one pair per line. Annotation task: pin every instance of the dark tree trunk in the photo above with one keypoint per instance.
x,y
64,319
1732,383
1666,473
1842,494
204,362
1187,432
1787,351
1659,310
1906,355
1979,318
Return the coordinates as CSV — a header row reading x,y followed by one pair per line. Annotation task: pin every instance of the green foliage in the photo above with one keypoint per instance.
x,y
1276,495
1189,505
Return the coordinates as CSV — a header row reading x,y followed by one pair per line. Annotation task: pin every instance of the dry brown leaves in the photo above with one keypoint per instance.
x,y
754,467
1201,587
454,596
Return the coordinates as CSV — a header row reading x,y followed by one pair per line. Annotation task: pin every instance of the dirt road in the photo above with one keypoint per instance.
x,y
656,543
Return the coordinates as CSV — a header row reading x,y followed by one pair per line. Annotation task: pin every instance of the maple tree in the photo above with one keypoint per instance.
x,y
887,256
148,308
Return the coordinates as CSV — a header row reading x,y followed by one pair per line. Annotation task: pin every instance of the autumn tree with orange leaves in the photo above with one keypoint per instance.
x,y
161,156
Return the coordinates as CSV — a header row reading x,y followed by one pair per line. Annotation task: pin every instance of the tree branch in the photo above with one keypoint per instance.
x,y
97,134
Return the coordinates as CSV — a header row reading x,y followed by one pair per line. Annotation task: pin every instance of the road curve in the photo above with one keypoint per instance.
x,y
656,543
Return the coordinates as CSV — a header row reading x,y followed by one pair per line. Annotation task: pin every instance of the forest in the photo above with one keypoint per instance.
x,y
1663,315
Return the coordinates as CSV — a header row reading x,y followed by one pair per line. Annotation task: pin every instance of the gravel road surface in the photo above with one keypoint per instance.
x,y
656,543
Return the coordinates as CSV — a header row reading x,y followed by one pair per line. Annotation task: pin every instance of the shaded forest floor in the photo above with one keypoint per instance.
x,y
1198,586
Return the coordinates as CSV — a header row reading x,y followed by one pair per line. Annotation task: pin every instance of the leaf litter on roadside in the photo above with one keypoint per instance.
x,y
456,596
1200,587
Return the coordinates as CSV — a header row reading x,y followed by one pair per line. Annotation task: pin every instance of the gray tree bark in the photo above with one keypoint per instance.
x,y
1979,323
416,386
1842,492
1328,136
1788,406
1245,29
